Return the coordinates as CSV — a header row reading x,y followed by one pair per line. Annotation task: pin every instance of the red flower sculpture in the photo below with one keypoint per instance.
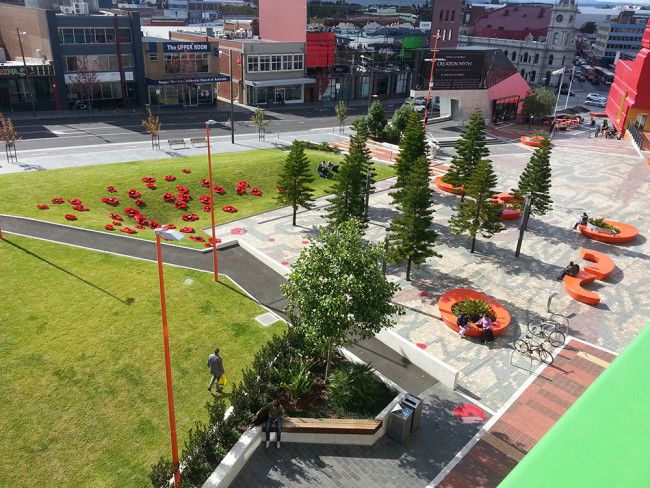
x,y
197,239
205,182
170,178
81,208
114,216
70,217
256,192
169,226
42,206
282,190
184,197
139,202
169,197
204,199
229,209
207,208
141,227
243,183
109,227
140,219
153,224
186,171
148,179
74,201
215,241
128,230
217,189
151,186
190,217
111,189
180,205
240,190
131,212
134,193
57,201
182,189
110,201
117,223
187,230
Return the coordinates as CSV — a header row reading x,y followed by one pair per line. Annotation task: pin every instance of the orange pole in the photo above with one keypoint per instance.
x,y
215,264
433,64
168,366
0,233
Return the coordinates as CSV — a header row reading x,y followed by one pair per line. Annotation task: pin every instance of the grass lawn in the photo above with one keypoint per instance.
x,y
82,376
24,191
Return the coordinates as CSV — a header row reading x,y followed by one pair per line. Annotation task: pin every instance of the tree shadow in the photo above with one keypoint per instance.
x,y
128,301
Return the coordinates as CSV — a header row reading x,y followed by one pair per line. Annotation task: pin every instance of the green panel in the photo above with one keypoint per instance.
x,y
603,440
409,43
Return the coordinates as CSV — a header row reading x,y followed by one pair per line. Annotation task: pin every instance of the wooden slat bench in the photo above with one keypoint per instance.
x,y
330,426
198,140
176,142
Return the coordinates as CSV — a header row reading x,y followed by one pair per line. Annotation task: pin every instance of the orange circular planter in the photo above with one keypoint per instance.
x,y
456,190
627,234
533,141
507,213
452,297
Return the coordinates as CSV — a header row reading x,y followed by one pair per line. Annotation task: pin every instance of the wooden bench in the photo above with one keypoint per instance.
x,y
574,287
176,142
198,140
603,264
330,426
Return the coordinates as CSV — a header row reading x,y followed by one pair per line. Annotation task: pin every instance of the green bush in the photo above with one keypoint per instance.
x,y
603,225
296,378
354,388
391,134
323,147
360,124
473,309
161,472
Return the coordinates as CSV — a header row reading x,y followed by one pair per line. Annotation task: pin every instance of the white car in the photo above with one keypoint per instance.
x,y
596,102
595,97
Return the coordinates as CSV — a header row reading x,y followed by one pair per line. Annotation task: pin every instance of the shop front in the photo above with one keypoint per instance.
x,y
19,86
188,92
276,92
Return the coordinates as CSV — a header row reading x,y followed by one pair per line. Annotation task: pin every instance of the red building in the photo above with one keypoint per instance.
x,y
321,48
628,104
514,22
447,17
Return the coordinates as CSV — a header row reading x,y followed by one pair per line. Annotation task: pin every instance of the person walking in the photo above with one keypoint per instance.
x,y
215,363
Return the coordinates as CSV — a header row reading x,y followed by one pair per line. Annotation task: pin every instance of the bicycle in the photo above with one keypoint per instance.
x,y
548,330
528,347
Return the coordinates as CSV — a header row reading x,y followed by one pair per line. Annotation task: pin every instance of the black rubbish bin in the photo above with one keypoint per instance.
x,y
400,423
414,403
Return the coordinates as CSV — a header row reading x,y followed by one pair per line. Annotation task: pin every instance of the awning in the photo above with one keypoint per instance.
x,y
285,82
195,80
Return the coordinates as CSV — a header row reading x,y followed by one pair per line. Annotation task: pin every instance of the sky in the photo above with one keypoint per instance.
x,y
587,2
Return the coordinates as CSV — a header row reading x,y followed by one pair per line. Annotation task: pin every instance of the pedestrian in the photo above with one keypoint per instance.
x,y
215,363
571,269
463,324
584,220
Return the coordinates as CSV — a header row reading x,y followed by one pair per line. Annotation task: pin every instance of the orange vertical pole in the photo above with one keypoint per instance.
x,y
214,238
433,64
168,366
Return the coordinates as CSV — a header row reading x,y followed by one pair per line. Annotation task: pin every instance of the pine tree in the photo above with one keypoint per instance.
x,y
470,149
410,235
350,184
412,146
477,213
536,180
376,119
294,180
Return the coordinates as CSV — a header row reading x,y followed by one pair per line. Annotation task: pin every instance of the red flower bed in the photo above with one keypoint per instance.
x,y
117,223
190,217
187,230
229,209
256,192
153,224
170,178
180,205
109,227
42,206
219,190
111,189
205,182
151,186
168,197
182,189
110,201
204,199
81,208
243,184
70,217
148,179
114,216
186,171
207,208
139,202
128,230
131,212
197,239
140,219
184,197
134,193
74,201
241,190
141,227
169,226
57,201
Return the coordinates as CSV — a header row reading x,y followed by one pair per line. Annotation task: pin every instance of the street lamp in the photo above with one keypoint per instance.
x,y
169,235
372,71
232,103
215,267
27,84
433,64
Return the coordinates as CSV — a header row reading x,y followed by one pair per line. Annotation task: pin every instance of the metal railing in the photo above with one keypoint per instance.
x,y
638,136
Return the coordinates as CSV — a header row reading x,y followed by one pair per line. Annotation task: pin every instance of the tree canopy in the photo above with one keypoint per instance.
x,y
536,179
539,103
294,180
470,149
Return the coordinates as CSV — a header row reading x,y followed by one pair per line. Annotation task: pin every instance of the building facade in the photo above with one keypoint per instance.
x,y
537,58
284,21
447,18
622,35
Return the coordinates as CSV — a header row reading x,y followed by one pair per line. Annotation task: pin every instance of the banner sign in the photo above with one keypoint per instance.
x,y
189,81
32,70
425,25
457,70
186,47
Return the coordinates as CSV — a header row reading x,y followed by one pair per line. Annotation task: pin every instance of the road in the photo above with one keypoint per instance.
x,y
581,89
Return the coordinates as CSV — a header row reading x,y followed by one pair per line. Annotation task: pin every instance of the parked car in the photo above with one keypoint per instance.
x,y
595,96
596,102
565,90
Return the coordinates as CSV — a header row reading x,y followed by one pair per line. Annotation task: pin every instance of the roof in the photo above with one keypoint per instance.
x,y
514,22
602,440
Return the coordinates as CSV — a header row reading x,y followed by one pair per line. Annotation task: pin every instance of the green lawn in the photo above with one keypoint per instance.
x,y
82,375
24,191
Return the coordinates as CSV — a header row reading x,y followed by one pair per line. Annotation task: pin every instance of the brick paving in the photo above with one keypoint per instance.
x,y
531,415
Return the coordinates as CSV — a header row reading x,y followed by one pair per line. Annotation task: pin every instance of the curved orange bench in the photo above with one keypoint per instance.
x,y
507,213
598,114
533,141
602,264
456,190
573,286
452,297
627,234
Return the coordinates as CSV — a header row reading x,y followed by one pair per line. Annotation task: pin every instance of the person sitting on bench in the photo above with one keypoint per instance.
x,y
486,325
571,270
584,220
269,415
323,172
463,324
333,167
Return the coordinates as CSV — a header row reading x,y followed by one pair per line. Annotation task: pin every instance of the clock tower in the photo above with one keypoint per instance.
x,y
561,35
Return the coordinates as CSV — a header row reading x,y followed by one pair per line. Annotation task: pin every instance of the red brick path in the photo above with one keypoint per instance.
x,y
527,420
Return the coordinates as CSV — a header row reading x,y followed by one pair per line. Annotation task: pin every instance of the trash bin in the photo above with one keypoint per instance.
x,y
400,422
414,403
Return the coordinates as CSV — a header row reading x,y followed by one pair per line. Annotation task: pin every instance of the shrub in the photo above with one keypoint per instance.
x,y
202,452
353,386
391,134
323,147
360,124
473,309
161,472
296,378
603,225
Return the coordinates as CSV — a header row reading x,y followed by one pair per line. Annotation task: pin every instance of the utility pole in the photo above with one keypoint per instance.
x,y
524,223
433,64
28,85
232,102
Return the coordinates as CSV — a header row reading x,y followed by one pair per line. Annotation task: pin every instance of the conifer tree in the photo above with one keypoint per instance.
x,y
536,180
410,235
350,183
376,119
412,146
477,213
470,149
294,180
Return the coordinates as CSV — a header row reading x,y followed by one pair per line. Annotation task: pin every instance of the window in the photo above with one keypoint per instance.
x,y
531,77
400,85
550,60
253,63
525,57
265,63
110,36
563,60
444,34
523,73
287,62
453,14
556,37
276,62
449,35
447,16
514,56
100,36
153,56
202,62
71,64
125,34
90,36
536,59
442,13
79,36
297,61
66,36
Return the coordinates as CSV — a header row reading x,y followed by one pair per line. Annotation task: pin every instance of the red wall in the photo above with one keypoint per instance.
x,y
321,48
283,20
